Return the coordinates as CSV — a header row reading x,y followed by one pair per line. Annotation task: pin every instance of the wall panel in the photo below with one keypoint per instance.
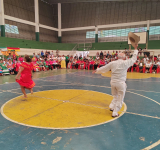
x,y
24,9
102,13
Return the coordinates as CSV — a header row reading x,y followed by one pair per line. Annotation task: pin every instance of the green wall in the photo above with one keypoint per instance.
x,y
122,45
12,42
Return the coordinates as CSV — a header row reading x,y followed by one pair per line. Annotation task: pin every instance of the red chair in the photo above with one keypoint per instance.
x,y
72,67
144,69
158,69
150,70
137,68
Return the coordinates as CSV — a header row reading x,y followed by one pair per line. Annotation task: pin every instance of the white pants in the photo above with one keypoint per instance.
x,y
118,92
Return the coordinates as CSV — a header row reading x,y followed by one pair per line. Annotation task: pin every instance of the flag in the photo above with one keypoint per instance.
x,y
3,49
13,48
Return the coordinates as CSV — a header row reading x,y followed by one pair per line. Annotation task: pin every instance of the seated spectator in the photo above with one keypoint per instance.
x,y
34,59
140,51
155,66
97,57
108,59
1,71
105,60
76,57
91,66
135,65
69,64
108,54
5,70
40,64
42,53
10,66
14,56
80,57
82,64
141,64
113,53
89,57
51,53
97,54
16,67
158,62
145,59
148,66
21,59
50,64
101,55
101,63
45,63
35,66
96,64
10,56
105,54
14,60
74,64
34,55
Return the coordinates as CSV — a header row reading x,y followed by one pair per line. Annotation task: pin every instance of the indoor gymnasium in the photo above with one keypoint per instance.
x,y
79,75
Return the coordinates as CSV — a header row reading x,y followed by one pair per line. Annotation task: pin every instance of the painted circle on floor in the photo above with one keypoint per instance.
x,y
135,75
61,109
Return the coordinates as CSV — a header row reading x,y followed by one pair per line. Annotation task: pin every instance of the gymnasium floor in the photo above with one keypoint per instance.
x,y
69,111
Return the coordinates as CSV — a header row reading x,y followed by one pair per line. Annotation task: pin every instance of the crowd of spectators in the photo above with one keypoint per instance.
x,y
47,60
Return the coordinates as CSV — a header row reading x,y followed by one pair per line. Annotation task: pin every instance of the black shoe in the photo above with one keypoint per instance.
x,y
111,109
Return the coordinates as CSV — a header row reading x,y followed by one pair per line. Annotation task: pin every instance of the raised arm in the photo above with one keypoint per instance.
x,y
103,69
132,60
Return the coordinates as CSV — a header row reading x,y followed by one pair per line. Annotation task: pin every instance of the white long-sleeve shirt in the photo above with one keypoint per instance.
x,y
118,68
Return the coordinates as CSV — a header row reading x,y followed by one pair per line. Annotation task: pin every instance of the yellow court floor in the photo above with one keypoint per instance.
x,y
135,75
66,108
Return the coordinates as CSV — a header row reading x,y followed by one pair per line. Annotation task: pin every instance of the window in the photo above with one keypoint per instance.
x,y
11,29
122,32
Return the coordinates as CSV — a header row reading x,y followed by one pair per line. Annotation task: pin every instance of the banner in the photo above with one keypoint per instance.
x,y
13,49
3,49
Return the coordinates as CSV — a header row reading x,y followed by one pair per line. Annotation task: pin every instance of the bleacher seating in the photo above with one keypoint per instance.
x,y
12,42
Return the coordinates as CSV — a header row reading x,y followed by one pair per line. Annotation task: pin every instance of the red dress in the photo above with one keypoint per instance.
x,y
26,76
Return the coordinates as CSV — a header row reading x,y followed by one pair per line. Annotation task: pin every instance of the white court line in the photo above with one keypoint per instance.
x,y
142,115
144,97
144,91
152,146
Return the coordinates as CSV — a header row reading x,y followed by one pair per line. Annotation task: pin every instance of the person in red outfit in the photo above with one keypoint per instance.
x,y
21,59
24,76
92,64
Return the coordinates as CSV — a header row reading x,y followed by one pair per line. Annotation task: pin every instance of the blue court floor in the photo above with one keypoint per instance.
x,y
138,128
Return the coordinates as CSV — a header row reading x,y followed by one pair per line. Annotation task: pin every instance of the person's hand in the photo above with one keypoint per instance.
x,y
94,72
16,78
135,47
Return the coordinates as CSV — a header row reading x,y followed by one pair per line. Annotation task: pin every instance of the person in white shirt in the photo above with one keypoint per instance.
x,y
159,62
118,77
141,64
145,59
155,66
148,65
